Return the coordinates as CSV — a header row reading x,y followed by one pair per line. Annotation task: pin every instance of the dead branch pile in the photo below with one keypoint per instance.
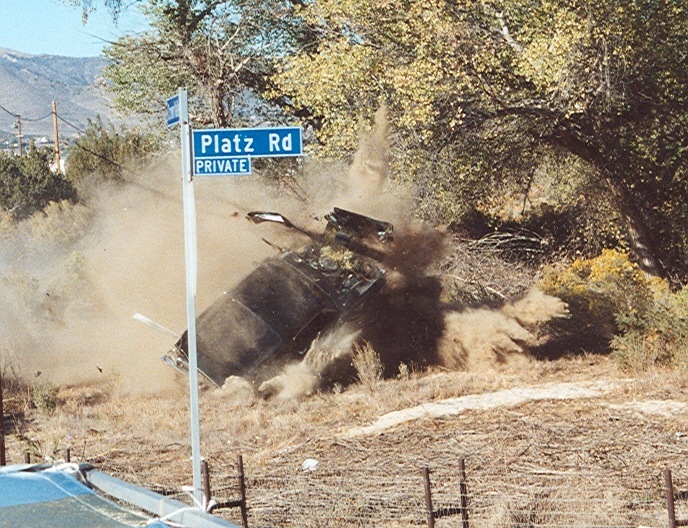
x,y
476,271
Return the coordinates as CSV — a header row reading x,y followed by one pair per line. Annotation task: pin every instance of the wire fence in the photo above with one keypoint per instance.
x,y
395,498
391,492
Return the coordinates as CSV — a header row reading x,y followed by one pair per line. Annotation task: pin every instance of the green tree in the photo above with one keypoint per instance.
x,y
492,88
27,184
88,6
221,50
103,151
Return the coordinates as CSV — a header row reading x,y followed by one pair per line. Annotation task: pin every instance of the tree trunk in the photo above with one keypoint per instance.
x,y
640,242
217,106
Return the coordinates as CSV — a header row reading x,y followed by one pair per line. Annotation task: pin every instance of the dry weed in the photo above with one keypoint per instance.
x,y
369,368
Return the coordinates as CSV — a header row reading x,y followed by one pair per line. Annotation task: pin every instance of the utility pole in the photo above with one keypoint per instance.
x,y
57,139
19,135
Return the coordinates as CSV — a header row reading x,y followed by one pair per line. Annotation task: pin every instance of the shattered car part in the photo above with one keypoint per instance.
x,y
354,224
276,311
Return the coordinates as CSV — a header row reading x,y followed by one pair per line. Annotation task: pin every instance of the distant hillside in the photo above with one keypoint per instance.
x,y
29,84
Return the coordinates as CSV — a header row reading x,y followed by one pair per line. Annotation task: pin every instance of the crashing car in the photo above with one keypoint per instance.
x,y
271,316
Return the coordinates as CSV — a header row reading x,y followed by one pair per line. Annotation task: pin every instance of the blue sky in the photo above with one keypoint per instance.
x,y
51,27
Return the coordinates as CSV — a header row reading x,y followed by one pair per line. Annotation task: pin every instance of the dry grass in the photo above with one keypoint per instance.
x,y
573,463
369,368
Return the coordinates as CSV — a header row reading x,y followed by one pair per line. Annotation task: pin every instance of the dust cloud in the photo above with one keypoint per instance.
x,y
407,323
325,363
482,338
72,278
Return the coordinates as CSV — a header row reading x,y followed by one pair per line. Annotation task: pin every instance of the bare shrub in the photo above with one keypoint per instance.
x,y
475,274
369,368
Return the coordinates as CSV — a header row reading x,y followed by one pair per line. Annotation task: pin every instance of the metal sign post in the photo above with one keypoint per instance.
x,y
214,152
178,112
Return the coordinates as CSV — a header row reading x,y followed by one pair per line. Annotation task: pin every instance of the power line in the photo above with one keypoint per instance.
x,y
13,114
10,113
38,118
70,124
100,156
78,129
85,149
104,158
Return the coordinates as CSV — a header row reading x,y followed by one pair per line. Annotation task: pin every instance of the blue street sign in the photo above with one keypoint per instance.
x,y
212,148
173,111
227,166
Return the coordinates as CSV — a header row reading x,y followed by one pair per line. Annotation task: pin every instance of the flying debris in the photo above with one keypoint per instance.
x,y
273,315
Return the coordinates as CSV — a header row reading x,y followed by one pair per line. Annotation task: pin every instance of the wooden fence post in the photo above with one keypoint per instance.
x,y
463,489
428,498
447,511
241,501
669,489
671,511
242,491
205,472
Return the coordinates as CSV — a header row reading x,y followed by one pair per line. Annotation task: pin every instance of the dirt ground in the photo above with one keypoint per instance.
x,y
572,442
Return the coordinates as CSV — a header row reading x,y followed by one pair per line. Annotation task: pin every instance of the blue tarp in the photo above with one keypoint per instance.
x,y
37,498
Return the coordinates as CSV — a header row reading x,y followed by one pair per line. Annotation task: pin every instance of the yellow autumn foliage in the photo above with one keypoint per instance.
x,y
600,288
635,315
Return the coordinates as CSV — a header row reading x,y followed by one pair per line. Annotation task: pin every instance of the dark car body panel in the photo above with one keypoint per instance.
x,y
273,314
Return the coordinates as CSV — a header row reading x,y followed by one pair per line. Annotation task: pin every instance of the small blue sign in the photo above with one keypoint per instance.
x,y
251,142
173,111
222,166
